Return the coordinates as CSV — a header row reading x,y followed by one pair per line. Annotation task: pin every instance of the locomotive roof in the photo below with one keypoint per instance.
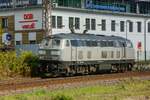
x,y
77,36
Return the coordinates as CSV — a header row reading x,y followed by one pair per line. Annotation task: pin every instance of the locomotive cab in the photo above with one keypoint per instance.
x,y
50,49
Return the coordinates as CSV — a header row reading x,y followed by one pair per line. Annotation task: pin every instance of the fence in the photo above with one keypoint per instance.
x,y
27,47
141,55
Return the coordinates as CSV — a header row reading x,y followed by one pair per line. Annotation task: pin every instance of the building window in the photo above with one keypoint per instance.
x,y
74,22
32,37
69,3
18,43
32,41
93,24
77,23
103,25
59,21
122,26
71,24
18,38
4,22
139,26
130,26
149,27
54,21
113,28
87,24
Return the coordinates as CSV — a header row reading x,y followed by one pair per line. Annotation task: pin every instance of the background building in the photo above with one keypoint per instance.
x,y
143,6
131,6
108,17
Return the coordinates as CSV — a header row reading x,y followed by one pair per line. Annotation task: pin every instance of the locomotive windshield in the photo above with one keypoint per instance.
x,y
51,43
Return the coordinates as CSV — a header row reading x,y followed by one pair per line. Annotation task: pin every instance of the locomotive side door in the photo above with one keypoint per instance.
x,y
74,45
123,50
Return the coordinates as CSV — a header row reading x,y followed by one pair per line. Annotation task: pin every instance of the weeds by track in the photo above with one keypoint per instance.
x,y
24,84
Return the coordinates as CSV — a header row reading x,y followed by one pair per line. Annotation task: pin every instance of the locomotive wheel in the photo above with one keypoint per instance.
x,y
113,68
129,67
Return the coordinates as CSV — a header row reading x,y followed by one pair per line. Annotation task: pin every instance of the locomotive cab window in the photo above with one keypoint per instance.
x,y
99,43
45,42
55,43
80,43
52,43
88,43
74,43
94,43
122,44
129,45
110,43
103,44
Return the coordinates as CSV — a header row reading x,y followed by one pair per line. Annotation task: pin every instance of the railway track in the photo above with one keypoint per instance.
x,y
15,85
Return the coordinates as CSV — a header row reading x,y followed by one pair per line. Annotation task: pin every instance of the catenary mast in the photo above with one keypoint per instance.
x,y
46,17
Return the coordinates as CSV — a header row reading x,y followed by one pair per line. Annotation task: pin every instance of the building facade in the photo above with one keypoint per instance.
x,y
7,26
24,26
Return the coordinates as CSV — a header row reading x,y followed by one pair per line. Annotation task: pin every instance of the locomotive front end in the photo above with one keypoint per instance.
x,y
49,56
50,49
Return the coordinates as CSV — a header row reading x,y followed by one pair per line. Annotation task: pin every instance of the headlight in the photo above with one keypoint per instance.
x,y
42,52
40,46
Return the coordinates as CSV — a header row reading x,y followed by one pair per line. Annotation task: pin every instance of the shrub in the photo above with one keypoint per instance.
x,y
32,62
62,97
11,65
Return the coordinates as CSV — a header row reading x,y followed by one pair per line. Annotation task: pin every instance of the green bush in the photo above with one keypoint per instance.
x,y
32,62
11,65
62,97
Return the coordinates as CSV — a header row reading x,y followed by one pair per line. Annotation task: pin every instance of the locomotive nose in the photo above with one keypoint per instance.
x,y
50,54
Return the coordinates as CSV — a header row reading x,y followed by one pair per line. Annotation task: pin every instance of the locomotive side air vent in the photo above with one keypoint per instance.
x,y
89,54
80,55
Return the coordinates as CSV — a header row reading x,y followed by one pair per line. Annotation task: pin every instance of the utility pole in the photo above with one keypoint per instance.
x,y
145,43
47,17
14,3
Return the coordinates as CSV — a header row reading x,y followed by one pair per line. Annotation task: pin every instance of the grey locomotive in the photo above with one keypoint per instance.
x,y
72,53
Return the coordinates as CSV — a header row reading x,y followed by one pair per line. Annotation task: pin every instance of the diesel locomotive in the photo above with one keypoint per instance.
x,y
74,53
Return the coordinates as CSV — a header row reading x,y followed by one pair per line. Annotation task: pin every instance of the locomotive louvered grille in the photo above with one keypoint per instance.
x,y
118,54
89,54
47,55
80,56
51,55
104,54
48,52
112,54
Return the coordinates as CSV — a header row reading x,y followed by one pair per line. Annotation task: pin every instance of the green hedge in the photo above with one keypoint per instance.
x,y
11,65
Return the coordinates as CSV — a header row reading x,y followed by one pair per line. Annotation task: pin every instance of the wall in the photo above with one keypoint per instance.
x,y
29,21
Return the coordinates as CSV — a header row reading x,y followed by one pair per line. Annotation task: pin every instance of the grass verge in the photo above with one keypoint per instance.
x,y
120,91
